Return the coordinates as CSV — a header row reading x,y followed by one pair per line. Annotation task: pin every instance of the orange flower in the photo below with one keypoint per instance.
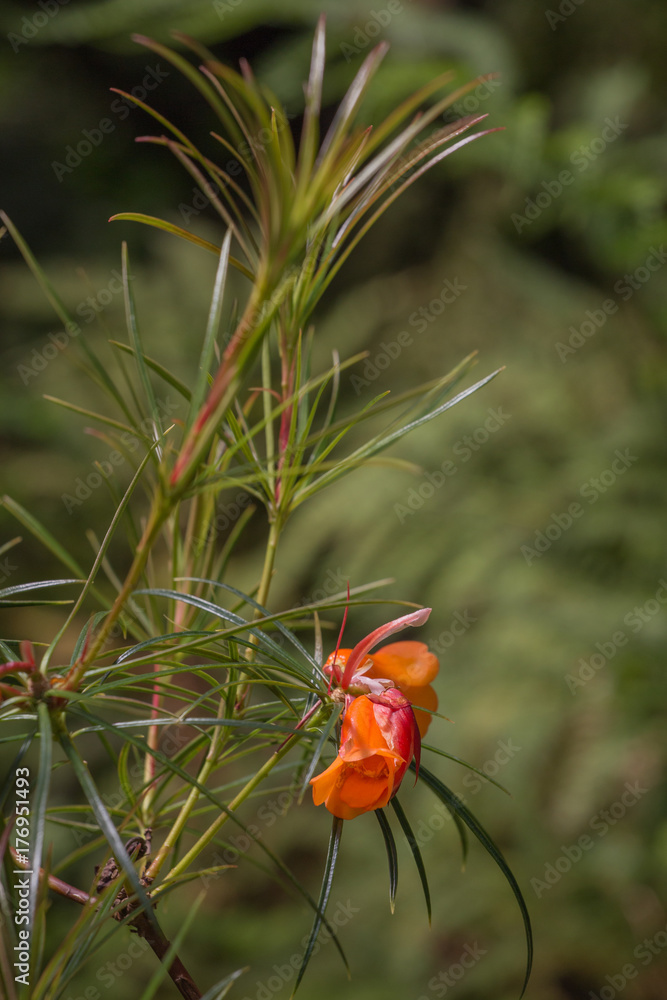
x,y
411,667
408,665
379,738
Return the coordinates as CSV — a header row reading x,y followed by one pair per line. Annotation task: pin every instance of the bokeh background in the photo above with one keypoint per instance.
x,y
542,553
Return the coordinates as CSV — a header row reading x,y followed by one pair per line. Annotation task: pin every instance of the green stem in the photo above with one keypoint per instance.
x,y
212,755
269,562
159,514
181,820
210,833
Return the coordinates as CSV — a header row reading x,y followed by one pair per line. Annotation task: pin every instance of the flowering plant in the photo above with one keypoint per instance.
x,y
162,639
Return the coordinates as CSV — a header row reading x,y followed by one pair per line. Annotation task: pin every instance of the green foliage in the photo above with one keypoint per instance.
x,y
526,627
167,641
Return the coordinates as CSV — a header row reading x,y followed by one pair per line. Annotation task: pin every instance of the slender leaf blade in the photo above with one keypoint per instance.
x,y
327,882
105,822
212,326
453,802
416,853
392,855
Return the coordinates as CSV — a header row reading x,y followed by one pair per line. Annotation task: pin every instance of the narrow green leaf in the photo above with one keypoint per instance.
x,y
383,441
159,369
101,418
264,611
453,802
349,105
192,782
416,853
39,800
213,609
222,988
327,882
33,604
135,341
187,720
311,116
99,371
392,855
464,763
20,588
40,532
10,544
319,747
98,559
212,327
87,629
105,822
124,775
167,227
172,951
458,823
10,777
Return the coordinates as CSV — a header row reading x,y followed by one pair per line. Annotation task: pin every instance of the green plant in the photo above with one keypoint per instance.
x,y
168,640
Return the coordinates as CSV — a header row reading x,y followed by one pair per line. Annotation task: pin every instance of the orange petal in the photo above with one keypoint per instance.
x,y
348,790
369,786
323,784
361,735
405,663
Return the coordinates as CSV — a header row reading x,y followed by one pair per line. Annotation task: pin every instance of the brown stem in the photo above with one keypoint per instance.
x,y
180,976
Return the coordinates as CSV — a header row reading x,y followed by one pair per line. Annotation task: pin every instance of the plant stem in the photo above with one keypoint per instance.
x,y
210,833
153,742
57,884
180,976
269,562
158,515
180,822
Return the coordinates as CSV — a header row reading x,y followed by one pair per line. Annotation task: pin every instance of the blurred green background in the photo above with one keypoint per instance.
x,y
542,247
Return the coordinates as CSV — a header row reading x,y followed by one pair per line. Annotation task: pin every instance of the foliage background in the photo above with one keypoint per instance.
x,y
532,618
